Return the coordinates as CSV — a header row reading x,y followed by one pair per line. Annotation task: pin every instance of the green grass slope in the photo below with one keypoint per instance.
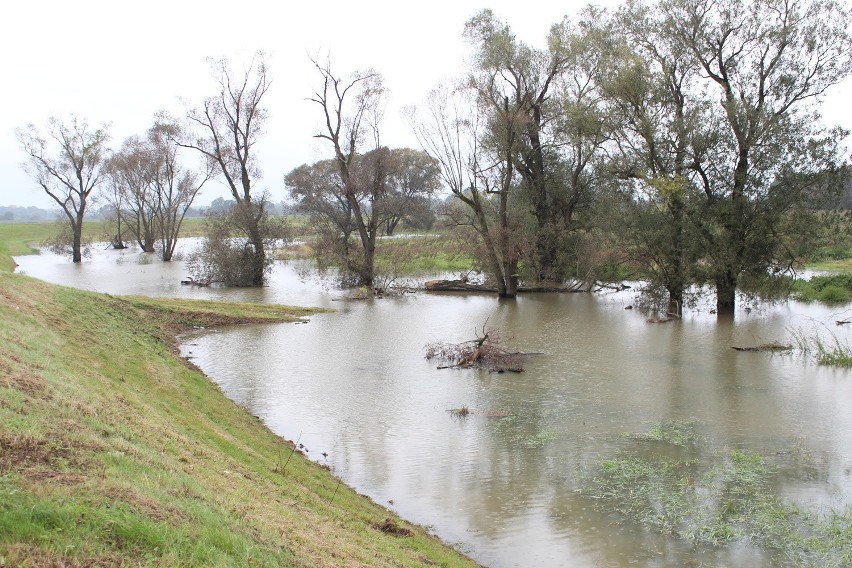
x,y
116,452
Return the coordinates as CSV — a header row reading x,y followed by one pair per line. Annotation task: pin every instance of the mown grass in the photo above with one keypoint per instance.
x,y
407,255
116,452
724,498
431,253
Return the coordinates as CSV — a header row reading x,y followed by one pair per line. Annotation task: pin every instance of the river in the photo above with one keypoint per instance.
x,y
528,477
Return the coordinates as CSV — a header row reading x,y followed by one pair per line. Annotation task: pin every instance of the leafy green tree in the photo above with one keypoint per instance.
x,y
765,65
663,133
548,101
387,185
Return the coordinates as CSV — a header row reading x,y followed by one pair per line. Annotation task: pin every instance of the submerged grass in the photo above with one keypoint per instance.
x,y
674,432
831,352
114,451
732,501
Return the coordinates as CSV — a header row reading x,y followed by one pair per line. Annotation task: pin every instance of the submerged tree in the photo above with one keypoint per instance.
x,y
227,255
129,171
449,128
665,131
543,113
151,190
225,130
388,185
764,63
175,185
68,165
351,109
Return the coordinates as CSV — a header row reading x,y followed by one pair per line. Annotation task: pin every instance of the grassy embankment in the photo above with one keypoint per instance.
x,y
116,452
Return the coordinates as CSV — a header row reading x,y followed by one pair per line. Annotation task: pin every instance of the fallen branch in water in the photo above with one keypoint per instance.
x,y
771,347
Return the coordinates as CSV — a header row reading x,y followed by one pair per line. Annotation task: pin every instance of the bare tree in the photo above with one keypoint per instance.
x,y
68,166
228,126
129,172
450,130
175,186
351,109
151,190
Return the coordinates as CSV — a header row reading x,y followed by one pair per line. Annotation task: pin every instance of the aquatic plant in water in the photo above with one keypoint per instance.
x,y
831,352
731,501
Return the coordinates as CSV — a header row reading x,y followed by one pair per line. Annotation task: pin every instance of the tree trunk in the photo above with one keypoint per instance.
x,y
258,260
675,306
77,242
390,226
168,249
726,290
148,245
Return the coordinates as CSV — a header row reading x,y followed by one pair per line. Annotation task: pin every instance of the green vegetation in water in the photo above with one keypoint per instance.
x,y
831,352
115,452
432,252
674,432
836,355
830,289
729,502
428,253
514,430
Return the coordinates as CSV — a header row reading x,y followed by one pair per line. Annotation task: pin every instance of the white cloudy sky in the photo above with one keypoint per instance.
x,y
119,62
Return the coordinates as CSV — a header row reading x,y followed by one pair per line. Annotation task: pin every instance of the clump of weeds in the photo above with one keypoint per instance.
x,y
730,501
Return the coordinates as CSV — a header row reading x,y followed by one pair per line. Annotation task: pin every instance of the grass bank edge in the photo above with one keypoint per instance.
x,y
118,452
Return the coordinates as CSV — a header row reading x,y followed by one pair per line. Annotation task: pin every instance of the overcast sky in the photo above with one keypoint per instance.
x,y
119,63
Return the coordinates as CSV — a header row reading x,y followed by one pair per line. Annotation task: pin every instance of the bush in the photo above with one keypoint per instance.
x,y
227,255
833,294
830,288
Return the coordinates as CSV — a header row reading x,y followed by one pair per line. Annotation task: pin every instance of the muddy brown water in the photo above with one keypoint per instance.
x,y
512,483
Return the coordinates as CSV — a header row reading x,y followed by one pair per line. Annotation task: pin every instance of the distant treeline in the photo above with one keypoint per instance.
x,y
13,213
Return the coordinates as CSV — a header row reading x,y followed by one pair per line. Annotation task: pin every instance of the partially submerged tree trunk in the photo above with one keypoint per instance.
x,y
726,291
71,175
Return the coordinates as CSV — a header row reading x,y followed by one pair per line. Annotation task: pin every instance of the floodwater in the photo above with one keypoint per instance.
x,y
518,481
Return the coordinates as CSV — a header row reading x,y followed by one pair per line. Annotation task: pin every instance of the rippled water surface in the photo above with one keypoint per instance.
x,y
518,481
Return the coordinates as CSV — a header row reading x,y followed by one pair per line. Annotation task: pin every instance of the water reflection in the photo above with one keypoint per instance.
x,y
510,489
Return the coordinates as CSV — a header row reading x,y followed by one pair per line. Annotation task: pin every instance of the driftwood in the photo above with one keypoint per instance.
x,y
190,281
771,347
456,286
484,352
465,286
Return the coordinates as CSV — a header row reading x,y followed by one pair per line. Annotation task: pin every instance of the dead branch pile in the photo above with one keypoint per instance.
x,y
483,352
